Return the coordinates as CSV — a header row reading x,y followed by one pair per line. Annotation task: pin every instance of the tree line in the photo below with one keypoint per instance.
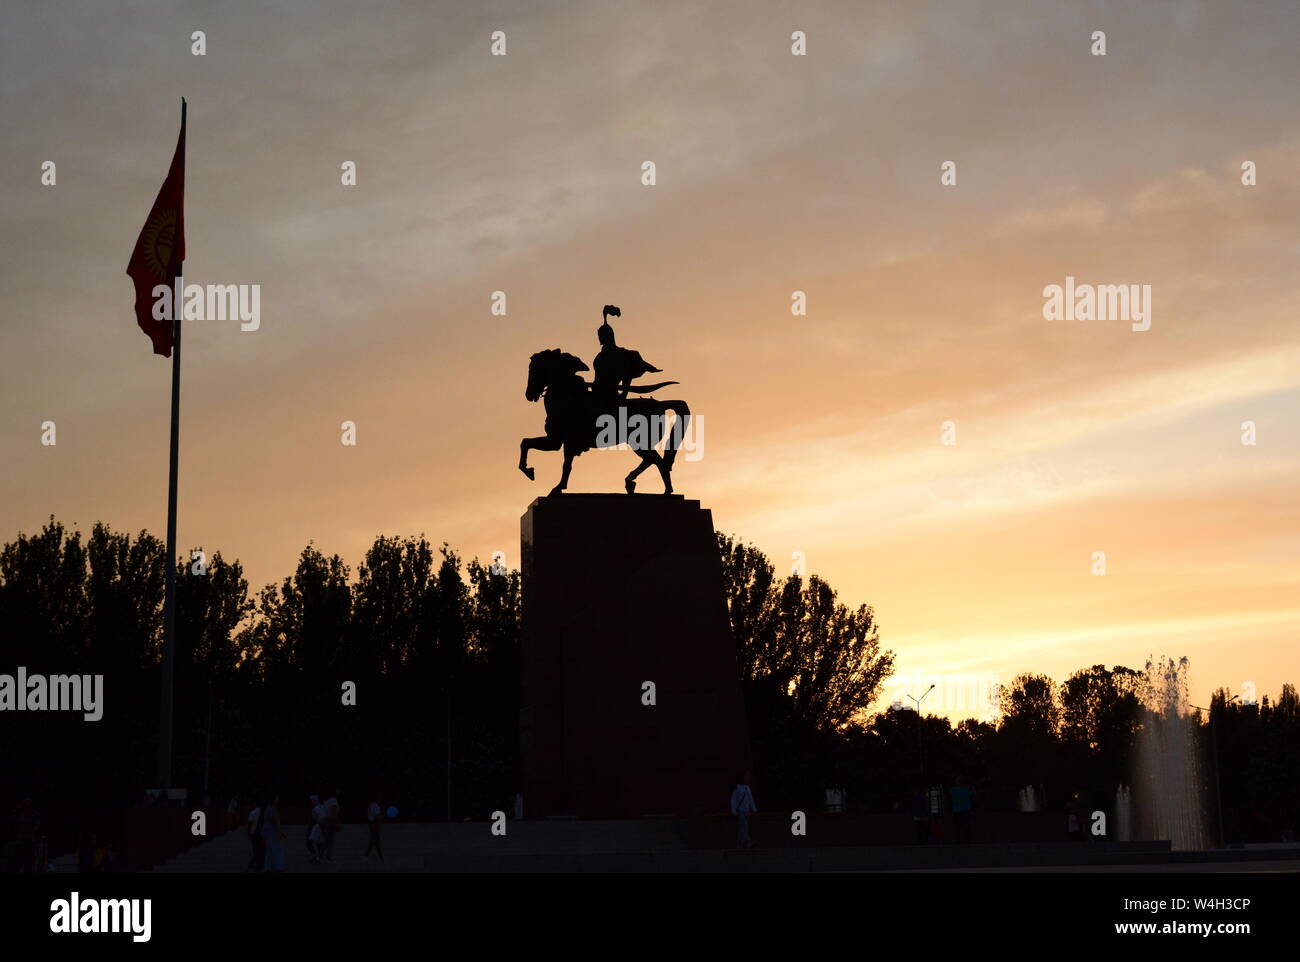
x,y
431,642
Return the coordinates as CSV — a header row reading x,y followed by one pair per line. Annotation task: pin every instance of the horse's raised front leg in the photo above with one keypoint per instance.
x,y
541,444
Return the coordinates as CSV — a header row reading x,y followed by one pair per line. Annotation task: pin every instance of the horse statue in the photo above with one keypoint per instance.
x,y
582,415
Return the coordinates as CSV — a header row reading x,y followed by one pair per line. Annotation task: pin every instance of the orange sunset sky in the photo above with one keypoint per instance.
x,y
775,173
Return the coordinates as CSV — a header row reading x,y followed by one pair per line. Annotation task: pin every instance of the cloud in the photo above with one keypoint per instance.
x,y
1081,213
1189,187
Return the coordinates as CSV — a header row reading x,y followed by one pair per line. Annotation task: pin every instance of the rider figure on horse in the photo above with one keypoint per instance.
x,y
616,367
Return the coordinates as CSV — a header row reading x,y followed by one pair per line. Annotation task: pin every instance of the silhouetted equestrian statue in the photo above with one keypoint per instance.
x,y
581,415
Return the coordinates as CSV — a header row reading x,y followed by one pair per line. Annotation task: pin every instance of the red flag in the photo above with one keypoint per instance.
x,y
159,252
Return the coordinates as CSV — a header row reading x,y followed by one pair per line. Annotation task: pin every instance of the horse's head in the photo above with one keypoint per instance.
x,y
546,367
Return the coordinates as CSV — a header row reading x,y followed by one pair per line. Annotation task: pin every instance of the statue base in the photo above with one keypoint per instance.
x,y
631,695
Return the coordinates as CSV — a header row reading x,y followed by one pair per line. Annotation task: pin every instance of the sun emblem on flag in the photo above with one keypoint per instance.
x,y
159,241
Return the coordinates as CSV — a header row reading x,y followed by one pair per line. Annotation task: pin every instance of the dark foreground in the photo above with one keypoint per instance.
x,y
652,846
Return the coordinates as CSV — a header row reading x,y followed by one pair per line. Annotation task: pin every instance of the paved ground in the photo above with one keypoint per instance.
x,y
1196,867
656,846
464,846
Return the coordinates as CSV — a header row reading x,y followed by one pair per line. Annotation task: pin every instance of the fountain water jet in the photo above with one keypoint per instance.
x,y
1031,799
1168,790
1123,814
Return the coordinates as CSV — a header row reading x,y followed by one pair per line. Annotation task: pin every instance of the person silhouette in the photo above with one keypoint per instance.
x,y
743,807
615,367
962,798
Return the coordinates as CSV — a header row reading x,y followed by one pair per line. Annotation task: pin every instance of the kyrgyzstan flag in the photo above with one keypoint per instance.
x,y
160,250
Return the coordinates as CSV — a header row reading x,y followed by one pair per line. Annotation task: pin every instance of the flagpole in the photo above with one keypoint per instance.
x,y
169,597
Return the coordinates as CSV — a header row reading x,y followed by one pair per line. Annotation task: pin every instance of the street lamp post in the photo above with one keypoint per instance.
x,y
920,741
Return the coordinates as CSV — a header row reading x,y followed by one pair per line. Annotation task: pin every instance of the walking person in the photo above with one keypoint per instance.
x,y
921,814
331,824
1073,824
313,807
962,798
374,814
316,840
273,837
742,806
258,857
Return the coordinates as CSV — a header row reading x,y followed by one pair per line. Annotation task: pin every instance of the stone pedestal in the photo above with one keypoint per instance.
x,y
619,590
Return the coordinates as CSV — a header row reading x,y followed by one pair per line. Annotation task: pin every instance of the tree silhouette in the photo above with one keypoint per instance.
x,y
417,624
795,638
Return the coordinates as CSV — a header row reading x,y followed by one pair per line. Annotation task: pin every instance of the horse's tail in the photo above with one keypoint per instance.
x,y
678,433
